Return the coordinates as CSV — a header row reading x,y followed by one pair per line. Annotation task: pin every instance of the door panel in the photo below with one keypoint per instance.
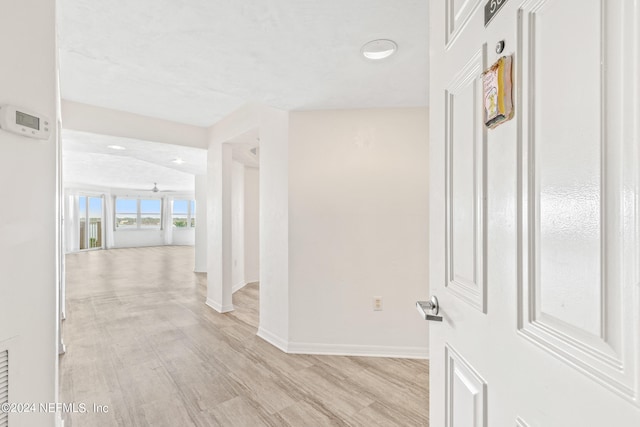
x,y
466,393
465,183
535,225
458,14
568,148
573,293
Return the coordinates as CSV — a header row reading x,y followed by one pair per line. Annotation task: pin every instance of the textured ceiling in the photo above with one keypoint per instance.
x,y
87,160
195,61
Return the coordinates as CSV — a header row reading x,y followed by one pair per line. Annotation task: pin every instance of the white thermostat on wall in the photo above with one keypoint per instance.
x,y
26,123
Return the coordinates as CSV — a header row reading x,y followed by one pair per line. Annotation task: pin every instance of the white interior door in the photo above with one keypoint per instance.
x,y
535,253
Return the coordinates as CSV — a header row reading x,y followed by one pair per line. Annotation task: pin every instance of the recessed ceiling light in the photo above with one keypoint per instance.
x,y
116,147
178,161
379,49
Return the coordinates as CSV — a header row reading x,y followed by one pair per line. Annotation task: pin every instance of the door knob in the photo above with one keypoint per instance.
x,y
429,309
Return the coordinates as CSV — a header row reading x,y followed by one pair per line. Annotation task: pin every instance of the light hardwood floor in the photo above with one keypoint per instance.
x,y
141,341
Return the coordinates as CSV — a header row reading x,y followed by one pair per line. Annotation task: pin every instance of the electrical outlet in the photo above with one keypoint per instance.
x,y
377,303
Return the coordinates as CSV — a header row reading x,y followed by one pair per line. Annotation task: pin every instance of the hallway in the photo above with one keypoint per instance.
x,y
142,343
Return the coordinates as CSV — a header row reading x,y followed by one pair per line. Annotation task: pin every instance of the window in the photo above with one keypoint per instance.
x,y
138,214
183,213
126,213
150,213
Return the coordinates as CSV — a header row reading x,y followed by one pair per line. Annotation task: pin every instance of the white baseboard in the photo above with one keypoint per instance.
x,y
358,350
218,307
273,339
238,286
241,285
343,349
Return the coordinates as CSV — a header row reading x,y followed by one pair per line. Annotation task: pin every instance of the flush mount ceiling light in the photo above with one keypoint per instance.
x,y
116,147
379,49
178,161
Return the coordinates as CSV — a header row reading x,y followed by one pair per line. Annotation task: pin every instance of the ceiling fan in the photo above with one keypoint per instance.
x,y
155,189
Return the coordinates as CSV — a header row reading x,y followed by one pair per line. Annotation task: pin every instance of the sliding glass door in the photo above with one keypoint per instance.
x,y
90,214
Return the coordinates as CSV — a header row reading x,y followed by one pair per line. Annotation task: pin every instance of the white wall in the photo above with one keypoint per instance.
x,y
358,229
200,238
71,224
274,226
137,238
245,227
343,218
28,241
237,226
183,237
219,246
273,128
251,224
104,121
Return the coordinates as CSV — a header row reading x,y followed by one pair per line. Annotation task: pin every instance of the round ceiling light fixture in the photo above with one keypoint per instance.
x,y
379,49
116,147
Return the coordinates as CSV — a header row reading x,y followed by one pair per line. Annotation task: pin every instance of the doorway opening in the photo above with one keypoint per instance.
x,y
245,225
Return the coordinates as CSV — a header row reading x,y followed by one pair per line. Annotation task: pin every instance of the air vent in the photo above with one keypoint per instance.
x,y
4,386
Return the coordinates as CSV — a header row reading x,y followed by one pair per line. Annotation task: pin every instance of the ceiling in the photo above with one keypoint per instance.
x,y
88,160
195,61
